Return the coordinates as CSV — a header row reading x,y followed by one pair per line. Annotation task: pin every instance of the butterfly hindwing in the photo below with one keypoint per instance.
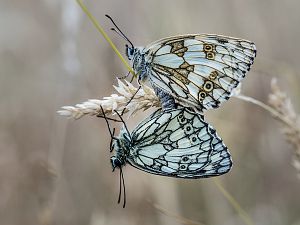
x,y
178,143
201,70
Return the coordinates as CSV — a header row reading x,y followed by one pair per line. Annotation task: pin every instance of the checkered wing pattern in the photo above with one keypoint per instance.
x,y
199,70
178,143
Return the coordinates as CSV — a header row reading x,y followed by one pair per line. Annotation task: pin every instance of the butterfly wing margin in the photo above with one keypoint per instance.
x,y
220,159
201,70
183,145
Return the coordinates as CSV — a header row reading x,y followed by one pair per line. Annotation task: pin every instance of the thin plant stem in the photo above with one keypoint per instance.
x,y
271,110
246,218
181,219
101,30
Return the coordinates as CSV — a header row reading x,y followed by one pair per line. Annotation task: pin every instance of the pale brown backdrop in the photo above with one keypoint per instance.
x,y
57,171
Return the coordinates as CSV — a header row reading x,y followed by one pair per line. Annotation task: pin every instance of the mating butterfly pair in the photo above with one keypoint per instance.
x,y
198,72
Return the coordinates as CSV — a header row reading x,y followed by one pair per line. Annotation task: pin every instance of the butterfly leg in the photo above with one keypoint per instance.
x,y
124,77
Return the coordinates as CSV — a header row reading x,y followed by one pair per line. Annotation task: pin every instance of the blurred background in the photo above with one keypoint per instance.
x,y
57,171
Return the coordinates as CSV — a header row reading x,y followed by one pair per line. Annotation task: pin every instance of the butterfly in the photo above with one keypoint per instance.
x,y
172,142
198,70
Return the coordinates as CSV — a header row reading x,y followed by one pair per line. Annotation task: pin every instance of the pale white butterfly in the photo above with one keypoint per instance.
x,y
198,70
174,142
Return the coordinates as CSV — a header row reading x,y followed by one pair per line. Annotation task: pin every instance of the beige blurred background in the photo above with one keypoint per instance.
x,y
57,171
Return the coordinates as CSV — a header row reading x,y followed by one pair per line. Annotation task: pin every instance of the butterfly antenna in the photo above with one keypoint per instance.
x,y
132,97
118,30
124,190
123,122
106,120
120,187
109,118
122,182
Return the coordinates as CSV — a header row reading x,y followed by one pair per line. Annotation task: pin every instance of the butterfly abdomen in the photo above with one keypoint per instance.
x,y
167,101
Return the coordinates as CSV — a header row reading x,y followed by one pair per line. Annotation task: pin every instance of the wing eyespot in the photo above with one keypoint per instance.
x,y
208,47
183,167
208,86
210,55
182,120
202,95
188,129
194,139
185,158
213,75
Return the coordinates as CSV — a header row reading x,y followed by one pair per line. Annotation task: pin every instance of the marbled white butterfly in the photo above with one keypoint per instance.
x,y
174,142
198,70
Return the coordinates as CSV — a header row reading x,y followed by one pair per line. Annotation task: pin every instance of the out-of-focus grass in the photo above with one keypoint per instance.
x,y
34,84
106,37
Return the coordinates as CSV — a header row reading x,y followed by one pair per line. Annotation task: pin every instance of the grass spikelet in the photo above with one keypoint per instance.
x,y
291,128
142,100
281,108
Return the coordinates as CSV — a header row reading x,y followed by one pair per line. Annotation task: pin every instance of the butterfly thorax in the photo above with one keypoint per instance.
x,y
142,67
122,149
140,63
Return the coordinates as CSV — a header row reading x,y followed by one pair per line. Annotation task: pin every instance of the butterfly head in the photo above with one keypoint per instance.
x,y
117,159
130,51
121,148
116,162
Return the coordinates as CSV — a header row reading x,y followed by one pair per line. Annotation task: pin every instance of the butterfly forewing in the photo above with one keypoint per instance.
x,y
178,143
199,70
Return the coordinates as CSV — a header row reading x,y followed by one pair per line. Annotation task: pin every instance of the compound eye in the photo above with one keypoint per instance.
x,y
131,51
115,162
